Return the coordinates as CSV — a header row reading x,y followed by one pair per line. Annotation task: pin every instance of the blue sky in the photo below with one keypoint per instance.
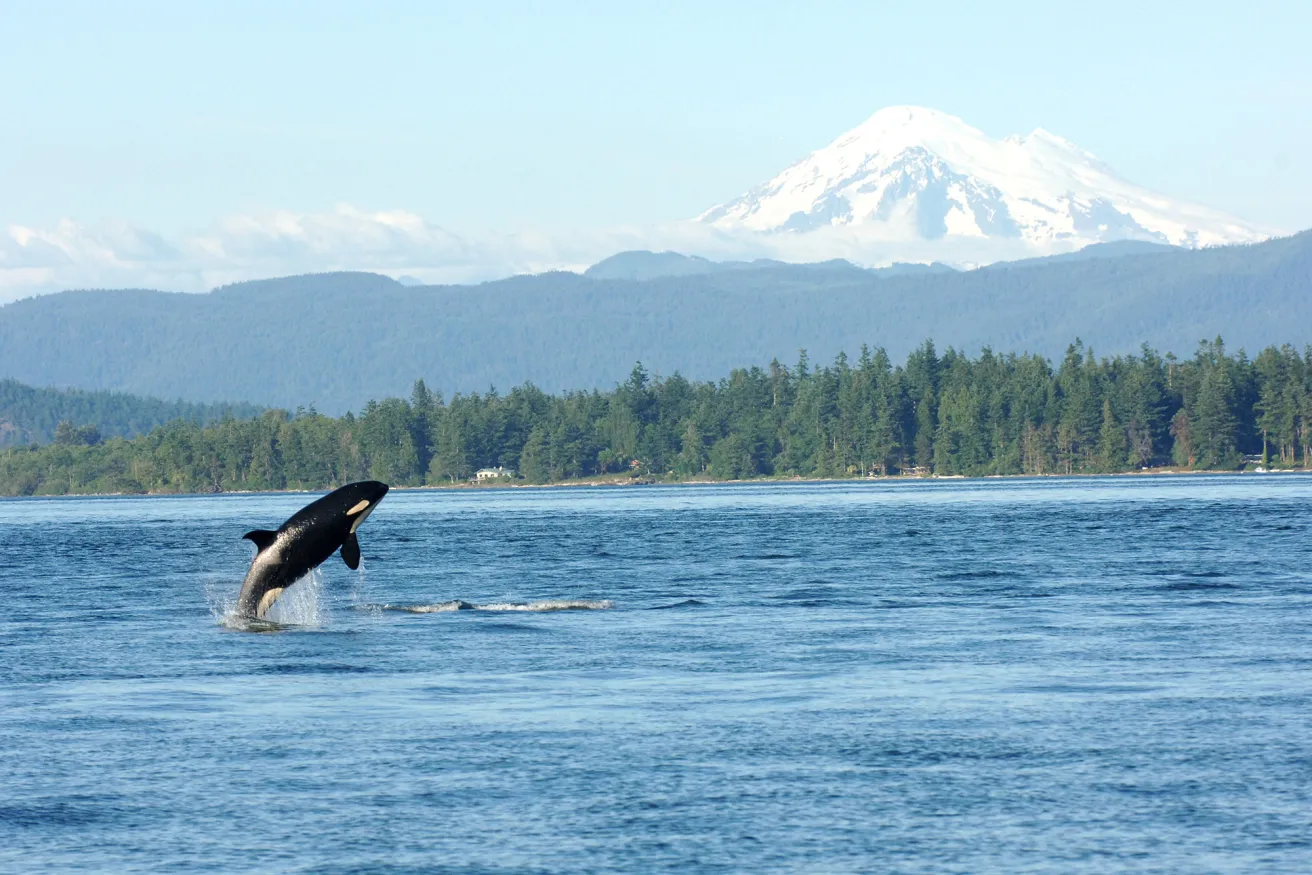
x,y
170,116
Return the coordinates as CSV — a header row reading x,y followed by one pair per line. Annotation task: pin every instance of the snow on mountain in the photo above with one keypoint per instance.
x,y
915,174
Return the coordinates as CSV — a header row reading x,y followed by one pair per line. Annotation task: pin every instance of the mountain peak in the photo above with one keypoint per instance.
x,y
909,116
896,128
915,173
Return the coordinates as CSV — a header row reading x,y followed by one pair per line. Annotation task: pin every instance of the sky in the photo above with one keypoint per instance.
x,y
167,128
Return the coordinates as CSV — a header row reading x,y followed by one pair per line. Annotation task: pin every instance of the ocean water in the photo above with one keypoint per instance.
x,y
1057,675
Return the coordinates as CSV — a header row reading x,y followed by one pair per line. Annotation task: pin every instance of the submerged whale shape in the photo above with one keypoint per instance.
x,y
301,544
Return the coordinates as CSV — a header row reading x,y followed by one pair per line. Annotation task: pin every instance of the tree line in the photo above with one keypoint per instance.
x,y
32,415
947,414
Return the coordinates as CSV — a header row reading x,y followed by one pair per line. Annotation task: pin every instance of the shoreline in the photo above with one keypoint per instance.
x,y
619,482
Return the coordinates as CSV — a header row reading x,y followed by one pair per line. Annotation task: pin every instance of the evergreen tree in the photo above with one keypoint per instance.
x,y
1111,441
535,459
1183,448
1213,423
692,458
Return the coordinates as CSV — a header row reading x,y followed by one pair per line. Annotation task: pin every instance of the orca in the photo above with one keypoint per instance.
x,y
301,544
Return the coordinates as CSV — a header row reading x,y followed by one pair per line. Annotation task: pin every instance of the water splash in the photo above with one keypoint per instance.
x,y
303,604
221,598
359,597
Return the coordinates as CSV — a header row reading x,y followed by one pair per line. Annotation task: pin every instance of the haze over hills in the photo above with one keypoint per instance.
x,y
339,340
911,173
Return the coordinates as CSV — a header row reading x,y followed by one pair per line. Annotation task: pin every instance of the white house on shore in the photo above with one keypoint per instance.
x,y
492,474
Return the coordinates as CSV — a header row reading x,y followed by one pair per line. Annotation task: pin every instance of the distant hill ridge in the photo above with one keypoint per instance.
x,y
641,265
29,415
336,340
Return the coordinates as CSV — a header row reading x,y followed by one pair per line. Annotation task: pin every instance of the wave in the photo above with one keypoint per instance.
x,y
1195,585
534,607
978,574
312,668
686,603
552,605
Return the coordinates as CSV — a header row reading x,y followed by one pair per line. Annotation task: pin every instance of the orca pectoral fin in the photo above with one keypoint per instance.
x,y
351,552
262,538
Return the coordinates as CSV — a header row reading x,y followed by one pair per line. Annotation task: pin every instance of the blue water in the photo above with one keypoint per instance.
x,y
1059,676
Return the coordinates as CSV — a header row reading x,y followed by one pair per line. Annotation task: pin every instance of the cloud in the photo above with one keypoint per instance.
x,y
277,243
70,255
22,248
400,243
333,239
280,243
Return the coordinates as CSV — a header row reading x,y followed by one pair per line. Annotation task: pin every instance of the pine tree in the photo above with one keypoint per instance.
x,y
535,459
1214,425
1183,448
1111,441
926,422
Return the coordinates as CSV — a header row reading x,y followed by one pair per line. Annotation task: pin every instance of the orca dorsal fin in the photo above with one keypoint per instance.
x,y
351,551
261,538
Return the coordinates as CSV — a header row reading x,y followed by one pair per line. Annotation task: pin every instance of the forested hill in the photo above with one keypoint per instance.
x,y
31,415
337,340
942,414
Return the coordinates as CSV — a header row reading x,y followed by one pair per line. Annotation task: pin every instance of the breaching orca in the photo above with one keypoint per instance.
x,y
313,534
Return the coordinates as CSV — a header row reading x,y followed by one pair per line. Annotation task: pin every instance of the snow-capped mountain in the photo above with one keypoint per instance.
x,y
915,174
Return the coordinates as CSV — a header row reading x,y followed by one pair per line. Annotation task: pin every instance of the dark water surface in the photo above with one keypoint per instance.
x,y
1007,676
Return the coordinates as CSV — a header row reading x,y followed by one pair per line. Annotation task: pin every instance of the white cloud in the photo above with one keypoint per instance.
x,y
399,243
330,239
71,255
